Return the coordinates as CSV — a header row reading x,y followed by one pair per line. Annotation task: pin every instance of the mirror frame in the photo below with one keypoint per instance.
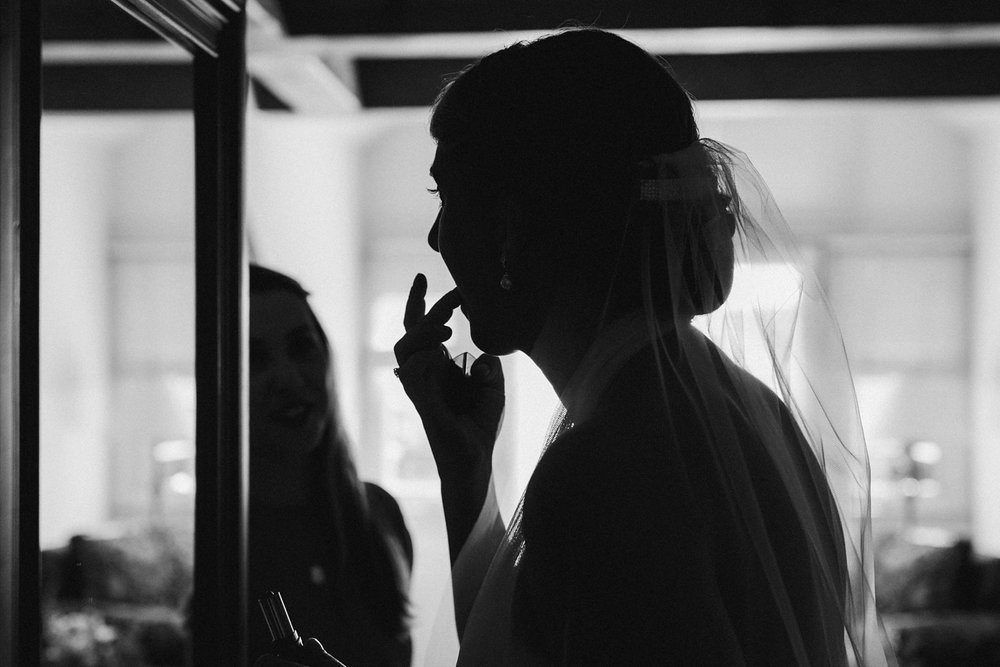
x,y
214,32
20,120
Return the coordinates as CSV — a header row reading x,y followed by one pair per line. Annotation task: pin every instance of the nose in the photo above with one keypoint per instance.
x,y
432,236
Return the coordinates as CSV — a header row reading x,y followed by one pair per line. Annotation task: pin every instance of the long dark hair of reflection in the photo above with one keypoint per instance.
x,y
364,560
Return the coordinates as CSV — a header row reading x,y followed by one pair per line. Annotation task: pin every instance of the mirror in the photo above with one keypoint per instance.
x,y
116,353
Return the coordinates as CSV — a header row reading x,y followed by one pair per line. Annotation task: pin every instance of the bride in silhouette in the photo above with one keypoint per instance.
x,y
702,497
689,508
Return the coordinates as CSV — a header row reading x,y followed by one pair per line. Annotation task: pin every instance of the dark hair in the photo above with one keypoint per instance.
x,y
568,124
263,279
361,546
565,112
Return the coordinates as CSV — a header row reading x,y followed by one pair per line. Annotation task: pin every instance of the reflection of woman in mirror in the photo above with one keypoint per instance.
x,y
336,548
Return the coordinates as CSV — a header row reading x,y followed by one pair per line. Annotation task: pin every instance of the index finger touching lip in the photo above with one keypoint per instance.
x,y
441,311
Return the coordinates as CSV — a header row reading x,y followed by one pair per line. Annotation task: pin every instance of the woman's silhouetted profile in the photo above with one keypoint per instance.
x,y
685,510
702,498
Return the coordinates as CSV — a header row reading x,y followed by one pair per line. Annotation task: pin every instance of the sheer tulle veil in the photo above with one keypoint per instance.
x,y
778,324
719,253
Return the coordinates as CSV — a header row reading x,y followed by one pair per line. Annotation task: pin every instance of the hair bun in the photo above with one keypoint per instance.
x,y
709,259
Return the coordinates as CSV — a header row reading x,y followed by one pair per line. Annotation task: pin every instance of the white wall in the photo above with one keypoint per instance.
x,y
151,256
117,328
304,219
838,167
73,336
985,460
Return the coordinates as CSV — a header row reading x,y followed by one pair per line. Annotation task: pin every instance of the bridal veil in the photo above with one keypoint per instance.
x,y
783,370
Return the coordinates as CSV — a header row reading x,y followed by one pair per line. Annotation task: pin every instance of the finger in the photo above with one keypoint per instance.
x,y
442,310
415,305
420,339
426,335
433,360
487,369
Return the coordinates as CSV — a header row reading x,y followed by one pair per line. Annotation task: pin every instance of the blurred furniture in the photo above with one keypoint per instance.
x,y
117,601
939,601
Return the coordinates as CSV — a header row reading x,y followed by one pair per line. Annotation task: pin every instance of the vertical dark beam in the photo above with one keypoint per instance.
x,y
20,121
219,615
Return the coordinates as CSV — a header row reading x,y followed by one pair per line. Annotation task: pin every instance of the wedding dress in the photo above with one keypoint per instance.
x,y
703,493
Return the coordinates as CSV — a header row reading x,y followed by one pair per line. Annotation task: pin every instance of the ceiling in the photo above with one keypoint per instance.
x,y
336,56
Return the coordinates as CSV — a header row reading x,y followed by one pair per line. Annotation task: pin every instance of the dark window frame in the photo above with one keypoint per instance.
x,y
20,124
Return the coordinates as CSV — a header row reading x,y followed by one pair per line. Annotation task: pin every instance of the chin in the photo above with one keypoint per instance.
x,y
495,340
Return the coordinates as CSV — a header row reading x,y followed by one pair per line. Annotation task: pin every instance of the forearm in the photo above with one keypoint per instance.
x,y
474,556
463,497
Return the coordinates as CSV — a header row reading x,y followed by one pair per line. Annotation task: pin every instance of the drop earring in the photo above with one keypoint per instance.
x,y
505,282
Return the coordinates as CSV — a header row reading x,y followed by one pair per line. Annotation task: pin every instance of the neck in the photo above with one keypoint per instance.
x,y
578,361
573,321
568,333
558,352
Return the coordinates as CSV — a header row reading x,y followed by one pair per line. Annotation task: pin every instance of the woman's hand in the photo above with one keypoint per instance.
x,y
461,414
310,654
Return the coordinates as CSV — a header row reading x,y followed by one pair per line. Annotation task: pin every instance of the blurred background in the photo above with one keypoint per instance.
x,y
877,128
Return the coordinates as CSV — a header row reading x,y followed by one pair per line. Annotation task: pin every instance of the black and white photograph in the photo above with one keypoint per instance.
x,y
421,333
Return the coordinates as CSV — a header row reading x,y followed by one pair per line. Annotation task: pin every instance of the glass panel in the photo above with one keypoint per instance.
x,y
117,387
